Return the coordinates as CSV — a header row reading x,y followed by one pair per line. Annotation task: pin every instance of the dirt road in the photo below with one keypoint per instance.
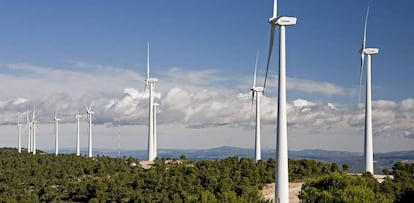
x,y
268,191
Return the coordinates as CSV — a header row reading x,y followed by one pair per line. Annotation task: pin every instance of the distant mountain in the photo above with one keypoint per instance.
x,y
354,160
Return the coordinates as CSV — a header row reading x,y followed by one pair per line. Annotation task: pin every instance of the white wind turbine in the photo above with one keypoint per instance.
x,y
368,148
89,112
19,135
34,121
119,138
257,91
29,133
56,119
155,130
150,81
282,175
78,117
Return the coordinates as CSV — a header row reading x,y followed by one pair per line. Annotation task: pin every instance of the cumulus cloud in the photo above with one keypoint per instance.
x,y
197,99
407,105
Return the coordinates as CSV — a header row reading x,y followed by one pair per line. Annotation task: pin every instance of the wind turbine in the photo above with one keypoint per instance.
x,y
56,119
78,117
282,175
257,91
29,133
89,112
119,138
19,135
34,121
368,148
150,82
155,130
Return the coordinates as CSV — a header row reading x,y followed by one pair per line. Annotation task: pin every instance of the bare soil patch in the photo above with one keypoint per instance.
x,y
268,191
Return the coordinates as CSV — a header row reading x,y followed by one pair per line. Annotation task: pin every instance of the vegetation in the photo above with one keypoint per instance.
x,y
401,187
69,178
341,187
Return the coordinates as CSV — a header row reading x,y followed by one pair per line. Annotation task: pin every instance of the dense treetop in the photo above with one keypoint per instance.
x,y
341,187
69,178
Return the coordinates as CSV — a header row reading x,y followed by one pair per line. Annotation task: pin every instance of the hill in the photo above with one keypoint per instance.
x,y
354,160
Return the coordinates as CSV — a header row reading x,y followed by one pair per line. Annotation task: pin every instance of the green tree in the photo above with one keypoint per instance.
x,y
340,187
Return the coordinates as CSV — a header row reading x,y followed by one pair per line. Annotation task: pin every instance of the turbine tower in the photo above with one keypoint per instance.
x,y
19,135
29,133
119,138
155,130
78,117
282,179
34,121
257,91
89,112
368,148
150,82
56,119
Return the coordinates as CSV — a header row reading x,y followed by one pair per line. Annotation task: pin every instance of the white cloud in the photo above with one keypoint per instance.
x,y
30,81
310,86
407,105
196,99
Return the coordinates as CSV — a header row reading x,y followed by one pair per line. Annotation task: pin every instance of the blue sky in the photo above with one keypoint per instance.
x,y
213,35
55,46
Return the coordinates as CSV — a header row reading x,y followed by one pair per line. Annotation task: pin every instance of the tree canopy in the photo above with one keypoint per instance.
x,y
69,178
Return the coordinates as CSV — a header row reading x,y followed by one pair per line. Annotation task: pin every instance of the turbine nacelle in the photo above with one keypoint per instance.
x,y
283,20
89,109
257,89
370,51
78,116
151,80
56,119
156,104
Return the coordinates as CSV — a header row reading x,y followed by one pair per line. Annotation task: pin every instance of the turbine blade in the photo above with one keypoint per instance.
x,y
148,58
27,118
34,112
86,107
90,107
274,8
364,41
361,71
365,30
148,67
145,87
272,36
255,70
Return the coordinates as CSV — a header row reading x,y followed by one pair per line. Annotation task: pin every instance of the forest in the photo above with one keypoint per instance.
x,y
70,178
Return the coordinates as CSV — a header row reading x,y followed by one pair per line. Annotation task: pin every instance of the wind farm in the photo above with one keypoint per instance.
x,y
198,91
